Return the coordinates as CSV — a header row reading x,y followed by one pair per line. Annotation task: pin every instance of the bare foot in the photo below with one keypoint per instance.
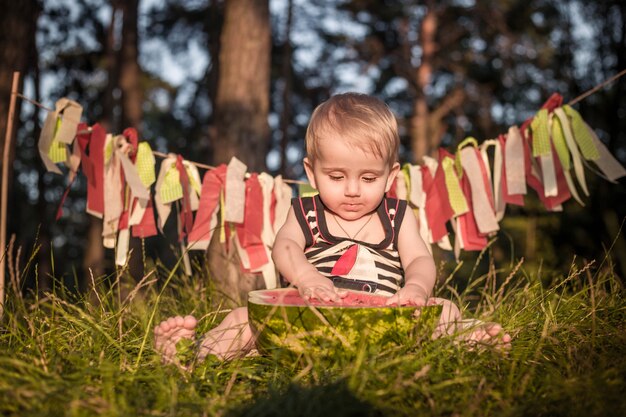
x,y
479,333
169,332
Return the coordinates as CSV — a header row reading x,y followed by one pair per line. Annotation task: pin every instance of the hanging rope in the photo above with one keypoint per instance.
x,y
205,166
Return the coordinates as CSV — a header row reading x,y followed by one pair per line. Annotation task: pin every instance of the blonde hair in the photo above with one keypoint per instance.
x,y
359,120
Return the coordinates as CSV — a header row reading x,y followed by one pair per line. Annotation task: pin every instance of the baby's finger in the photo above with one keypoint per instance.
x,y
316,293
393,300
306,293
341,292
327,295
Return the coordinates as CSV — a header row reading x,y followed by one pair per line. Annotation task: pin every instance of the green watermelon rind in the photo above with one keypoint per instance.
x,y
316,329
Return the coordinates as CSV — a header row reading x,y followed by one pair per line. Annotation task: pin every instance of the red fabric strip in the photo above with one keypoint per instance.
x,y
472,238
147,227
249,232
438,208
212,184
92,161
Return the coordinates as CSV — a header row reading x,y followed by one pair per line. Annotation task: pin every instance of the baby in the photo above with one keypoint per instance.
x,y
349,236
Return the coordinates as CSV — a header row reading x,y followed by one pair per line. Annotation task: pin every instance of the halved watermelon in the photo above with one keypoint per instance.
x,y
284,321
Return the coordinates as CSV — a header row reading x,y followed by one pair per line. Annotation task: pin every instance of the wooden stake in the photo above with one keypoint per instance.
x,y
5,187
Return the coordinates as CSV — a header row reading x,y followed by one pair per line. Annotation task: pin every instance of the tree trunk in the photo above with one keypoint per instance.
x,y
420,140
285,116
241,111
242,102
131,101
130,72
18,23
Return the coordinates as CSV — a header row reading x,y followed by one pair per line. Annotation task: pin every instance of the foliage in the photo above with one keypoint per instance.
x,y
62,355
506,56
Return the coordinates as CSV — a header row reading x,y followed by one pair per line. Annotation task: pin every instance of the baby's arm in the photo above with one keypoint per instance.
x,y
292,264
418,264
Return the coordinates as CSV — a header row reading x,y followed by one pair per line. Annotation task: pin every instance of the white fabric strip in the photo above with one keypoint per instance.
x,y
267,188
548,172
417,197
283,194
138,211
609,166
46,137
122,247
431,164
131,175
235,191
268,235
195,184
496,176
113,204
514,160
572,187
73,161
482,209
416,193
72,112
114,195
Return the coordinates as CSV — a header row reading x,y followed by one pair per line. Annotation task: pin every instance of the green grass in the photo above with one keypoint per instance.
x,y
63,355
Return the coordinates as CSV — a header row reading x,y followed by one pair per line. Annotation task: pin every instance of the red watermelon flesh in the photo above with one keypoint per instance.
x,y
291,297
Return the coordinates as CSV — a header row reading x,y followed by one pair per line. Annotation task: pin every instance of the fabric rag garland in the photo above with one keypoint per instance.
x,y
470,193
466,192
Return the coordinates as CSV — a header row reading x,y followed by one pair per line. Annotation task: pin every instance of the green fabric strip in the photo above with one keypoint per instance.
x,y
171,190
541,135
145,164
108,148
582,135
455,194
406,171
57,151
558,140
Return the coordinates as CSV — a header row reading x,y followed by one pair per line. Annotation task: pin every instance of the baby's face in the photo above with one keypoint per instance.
x,y
351,181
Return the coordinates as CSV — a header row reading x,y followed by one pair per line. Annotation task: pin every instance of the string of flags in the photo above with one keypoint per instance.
x,y
468,189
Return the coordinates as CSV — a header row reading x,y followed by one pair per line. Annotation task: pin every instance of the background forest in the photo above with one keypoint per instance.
x,y
212,79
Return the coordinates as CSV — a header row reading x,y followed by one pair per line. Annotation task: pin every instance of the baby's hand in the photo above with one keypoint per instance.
x,y
410,294
321,288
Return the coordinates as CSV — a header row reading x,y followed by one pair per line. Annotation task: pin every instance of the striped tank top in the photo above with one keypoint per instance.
x,y
353,264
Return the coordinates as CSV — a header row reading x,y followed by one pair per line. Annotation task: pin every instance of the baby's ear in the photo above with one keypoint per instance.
x,y
392,176
308,168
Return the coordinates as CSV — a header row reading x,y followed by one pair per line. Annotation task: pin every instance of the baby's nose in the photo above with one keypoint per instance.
x,y
353,188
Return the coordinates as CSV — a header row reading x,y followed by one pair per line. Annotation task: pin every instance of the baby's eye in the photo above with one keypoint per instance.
x,y
336,177
369,179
